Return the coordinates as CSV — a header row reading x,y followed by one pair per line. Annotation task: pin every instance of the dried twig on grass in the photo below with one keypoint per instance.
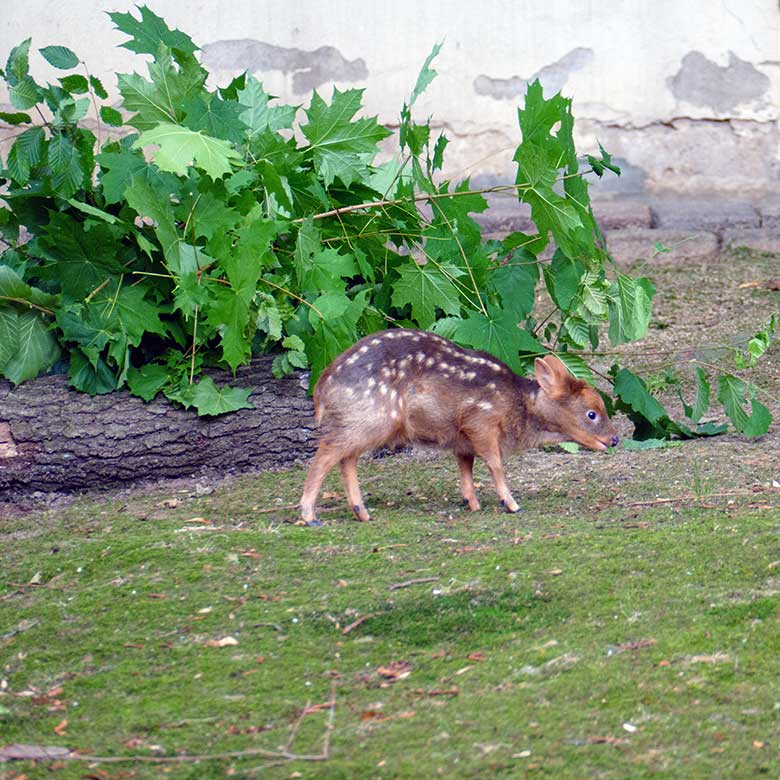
x,y
698,498
43,753
408,583
355,624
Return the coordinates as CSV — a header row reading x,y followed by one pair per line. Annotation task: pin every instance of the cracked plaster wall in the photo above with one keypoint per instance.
x,y
686,93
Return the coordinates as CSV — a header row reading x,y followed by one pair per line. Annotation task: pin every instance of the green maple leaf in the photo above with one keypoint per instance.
x,y
325,270
117,319
180,147
120,169
148,32
549,210
80,257
425,288
147,203
211,400
93,377
538,116
515,282
210,215
340,147
230,311
147,380
426,75
257,115
498,334
562,278
453,232
164,98
307,244
334,331
150,105
215,117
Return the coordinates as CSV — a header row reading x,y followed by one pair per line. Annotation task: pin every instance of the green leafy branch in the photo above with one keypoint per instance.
x,y
226,224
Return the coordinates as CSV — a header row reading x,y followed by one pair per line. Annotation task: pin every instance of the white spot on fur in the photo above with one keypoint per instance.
x,y
491,385
401,374
393,394
383,388
393,414
371,381
494,366
349,392
352,358
429,362
419,357
364,348
468,400
485,406
375,342
415,339
404,363
470,375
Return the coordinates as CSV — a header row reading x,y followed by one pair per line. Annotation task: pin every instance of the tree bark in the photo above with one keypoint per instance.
x,y
55,439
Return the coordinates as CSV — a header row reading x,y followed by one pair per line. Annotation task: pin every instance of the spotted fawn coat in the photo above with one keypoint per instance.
x,y
404,386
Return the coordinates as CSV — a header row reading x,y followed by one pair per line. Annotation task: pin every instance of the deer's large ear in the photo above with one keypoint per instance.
x,y
552,375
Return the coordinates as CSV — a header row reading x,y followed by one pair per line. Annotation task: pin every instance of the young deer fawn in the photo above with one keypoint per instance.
x,y
408,386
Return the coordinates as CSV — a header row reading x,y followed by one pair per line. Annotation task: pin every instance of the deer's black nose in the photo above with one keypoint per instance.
x,y
614,441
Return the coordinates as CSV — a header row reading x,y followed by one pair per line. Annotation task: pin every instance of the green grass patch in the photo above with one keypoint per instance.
x,y
583,638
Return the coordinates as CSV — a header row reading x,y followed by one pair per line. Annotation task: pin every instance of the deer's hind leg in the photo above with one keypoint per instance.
x,y
326,457
349,479
467,489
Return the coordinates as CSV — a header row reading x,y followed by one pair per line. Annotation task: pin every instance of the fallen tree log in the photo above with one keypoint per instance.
x,y
55,439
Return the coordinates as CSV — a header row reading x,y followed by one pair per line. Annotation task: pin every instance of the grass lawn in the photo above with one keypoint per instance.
x,y
601,633
625,625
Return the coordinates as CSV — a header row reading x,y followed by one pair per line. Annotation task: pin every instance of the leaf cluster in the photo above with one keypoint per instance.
x,y
221,224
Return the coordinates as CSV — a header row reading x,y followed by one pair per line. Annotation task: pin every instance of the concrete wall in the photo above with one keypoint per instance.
x,y
685,92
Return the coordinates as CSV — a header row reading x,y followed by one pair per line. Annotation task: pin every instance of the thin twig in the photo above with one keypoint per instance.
x,y
27,303
408,583
415,199
296,726
689,497
355,624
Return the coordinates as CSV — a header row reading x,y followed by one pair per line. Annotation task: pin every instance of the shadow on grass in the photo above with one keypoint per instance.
x,y
424,622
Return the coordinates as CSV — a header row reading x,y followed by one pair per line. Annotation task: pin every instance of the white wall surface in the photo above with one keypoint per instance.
x,y
685,92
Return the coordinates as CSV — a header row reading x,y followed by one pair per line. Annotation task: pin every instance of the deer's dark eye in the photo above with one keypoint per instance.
x,y
592,415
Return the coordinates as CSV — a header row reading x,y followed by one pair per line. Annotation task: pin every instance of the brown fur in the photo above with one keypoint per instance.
x,y
402,386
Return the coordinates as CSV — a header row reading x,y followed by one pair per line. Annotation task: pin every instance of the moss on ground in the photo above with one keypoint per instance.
x,y
625,624
581,638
